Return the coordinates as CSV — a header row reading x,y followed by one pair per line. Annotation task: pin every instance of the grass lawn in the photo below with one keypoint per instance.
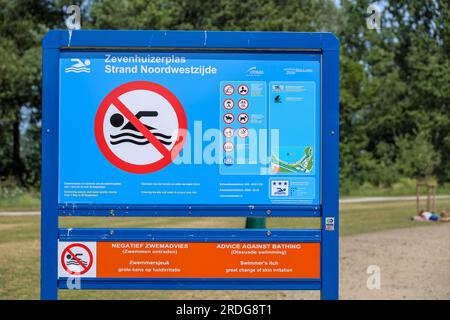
x,y
19,246
27,201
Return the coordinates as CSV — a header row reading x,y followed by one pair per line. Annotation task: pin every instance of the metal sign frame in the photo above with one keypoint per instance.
x,y
57,41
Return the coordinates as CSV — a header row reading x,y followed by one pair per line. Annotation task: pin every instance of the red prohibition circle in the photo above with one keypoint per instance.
x,y
232,88
225,105
243,136
239,103
239,117
113,96
243,85
228,115
85,268
232,131
227,143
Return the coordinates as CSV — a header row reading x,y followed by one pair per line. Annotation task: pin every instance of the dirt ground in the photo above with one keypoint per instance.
x,y
414,263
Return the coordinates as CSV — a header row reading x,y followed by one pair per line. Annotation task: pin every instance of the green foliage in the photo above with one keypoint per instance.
x,y
273,15
417,157
395,107
10,190
22,25
14,198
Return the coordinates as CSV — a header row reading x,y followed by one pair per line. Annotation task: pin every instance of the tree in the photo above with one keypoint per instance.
x,y
417,156
285,15
420,42
22,26
403,90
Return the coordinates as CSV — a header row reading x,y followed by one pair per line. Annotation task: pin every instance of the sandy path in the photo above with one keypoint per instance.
x,y
414,263
20,213
386,199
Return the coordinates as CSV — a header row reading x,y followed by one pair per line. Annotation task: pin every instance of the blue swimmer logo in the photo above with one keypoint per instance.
x,y
280,188
79,66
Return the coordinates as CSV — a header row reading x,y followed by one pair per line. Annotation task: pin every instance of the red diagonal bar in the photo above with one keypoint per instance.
x,y
140,126
78,260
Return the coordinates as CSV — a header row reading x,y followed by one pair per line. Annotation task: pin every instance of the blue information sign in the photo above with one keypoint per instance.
x,y
249,133
190,123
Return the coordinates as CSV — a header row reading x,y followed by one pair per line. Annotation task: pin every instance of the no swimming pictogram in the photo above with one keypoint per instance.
x,y
140,127
77,259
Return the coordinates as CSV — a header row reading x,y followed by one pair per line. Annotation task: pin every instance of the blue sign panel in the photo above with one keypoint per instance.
x,y
190,123
209,128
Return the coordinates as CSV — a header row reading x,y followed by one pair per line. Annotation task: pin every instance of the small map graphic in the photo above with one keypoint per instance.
x,y
303,165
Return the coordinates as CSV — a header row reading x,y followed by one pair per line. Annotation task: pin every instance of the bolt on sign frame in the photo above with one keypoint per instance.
x,y
64,51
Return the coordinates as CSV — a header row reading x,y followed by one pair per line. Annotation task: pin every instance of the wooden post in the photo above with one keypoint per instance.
x,y
417,198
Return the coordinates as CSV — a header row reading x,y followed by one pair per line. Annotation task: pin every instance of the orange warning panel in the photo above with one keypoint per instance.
x,y
208,260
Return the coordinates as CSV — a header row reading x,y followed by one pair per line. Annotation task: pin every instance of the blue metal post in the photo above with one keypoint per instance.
x,y
49,185
330,171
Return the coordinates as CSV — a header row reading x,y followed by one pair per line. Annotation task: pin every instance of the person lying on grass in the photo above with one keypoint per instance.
x,y
427,216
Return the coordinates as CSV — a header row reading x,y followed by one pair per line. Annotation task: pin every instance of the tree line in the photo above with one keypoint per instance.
x,y
395,81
